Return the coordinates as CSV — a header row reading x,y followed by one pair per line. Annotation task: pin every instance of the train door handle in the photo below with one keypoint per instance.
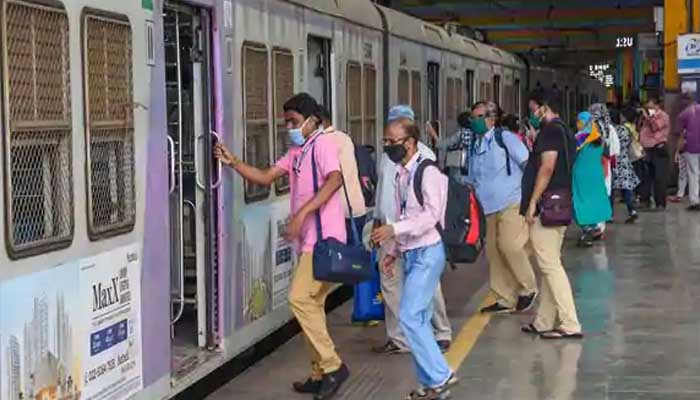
x,y
216,184
200,184
171,145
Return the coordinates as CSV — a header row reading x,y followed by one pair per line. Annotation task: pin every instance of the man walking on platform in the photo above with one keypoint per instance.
x,y
414,237
496,170
307,296
653,136
689,124
392,284
548,176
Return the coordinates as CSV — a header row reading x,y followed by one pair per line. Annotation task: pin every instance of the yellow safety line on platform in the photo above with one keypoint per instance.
x,y
468,335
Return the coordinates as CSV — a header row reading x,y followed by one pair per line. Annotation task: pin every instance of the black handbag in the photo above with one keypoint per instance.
x,y
334,261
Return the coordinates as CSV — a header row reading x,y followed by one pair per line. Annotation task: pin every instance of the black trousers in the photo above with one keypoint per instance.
x,y
656,175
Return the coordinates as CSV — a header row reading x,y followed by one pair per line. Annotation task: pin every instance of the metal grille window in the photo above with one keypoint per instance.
x,y
470,87
370,104
459,93
109,125
37,128
354,102
416,98
496,88
256,106
283,88
403,87
450,99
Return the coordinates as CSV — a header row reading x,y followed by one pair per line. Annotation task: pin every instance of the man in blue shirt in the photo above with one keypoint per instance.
x,y
496,165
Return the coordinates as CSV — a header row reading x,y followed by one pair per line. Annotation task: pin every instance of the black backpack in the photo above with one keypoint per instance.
x,y
366,172
464,233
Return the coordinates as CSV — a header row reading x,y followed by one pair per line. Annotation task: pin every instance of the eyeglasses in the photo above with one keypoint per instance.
x,y
389,142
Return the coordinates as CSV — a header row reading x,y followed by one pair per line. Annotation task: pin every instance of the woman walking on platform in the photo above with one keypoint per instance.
x,y
624,177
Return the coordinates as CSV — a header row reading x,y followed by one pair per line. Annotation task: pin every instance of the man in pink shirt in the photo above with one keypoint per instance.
x,y
653,136
417,240
307,296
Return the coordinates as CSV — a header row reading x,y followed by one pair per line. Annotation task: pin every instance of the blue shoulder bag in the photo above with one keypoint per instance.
x,y
334,261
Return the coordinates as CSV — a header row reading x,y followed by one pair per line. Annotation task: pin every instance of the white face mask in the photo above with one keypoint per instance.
x,y
652,112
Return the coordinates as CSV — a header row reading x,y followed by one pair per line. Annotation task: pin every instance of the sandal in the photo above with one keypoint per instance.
x,y
428,394
530,328
560,334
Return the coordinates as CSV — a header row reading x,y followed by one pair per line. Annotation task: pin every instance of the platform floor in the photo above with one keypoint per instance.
x,y
637,297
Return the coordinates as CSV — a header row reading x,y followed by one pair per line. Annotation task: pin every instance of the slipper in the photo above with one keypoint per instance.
x,y
560,334
530,328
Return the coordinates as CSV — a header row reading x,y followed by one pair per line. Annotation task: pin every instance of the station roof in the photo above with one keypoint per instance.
x,y
587,27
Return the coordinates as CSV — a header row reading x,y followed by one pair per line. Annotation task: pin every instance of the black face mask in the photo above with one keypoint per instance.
x,y
396,152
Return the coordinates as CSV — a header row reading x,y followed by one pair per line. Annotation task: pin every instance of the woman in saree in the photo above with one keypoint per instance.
x,y
591,201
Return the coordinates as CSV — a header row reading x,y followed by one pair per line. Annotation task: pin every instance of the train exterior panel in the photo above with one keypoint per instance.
x,y
109,112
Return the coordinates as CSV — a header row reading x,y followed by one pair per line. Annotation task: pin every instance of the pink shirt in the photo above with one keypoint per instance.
x,y
301,189
655,130
416,224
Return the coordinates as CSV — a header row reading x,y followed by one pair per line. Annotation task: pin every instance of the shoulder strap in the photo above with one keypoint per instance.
x,y
565,133
418,178
317,214
498,135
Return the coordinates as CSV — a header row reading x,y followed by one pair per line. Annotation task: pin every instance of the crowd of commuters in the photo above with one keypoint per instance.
x,y
515,167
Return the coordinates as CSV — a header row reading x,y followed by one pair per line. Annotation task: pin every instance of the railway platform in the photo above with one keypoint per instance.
x,y
636,295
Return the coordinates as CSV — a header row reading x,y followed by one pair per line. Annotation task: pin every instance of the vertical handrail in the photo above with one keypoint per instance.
x,y
200,184
171,146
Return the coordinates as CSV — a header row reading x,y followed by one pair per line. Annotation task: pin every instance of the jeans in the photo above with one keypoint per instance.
x,y
628,195
423,268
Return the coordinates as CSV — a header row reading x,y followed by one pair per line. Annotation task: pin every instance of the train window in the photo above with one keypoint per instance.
x,y
283,88
459,93
403,87
354,101
497,88
256,111
109,126
370,104
470,87
37,125
451,101
416,98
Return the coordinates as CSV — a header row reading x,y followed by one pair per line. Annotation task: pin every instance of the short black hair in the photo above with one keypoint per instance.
x,y
510,121
304,104
537,96
478,104
553,100
615,116
464,119
630,113
323,114
653,99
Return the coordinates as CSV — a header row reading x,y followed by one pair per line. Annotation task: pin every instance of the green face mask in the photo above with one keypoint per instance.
x,y
479,126
534,121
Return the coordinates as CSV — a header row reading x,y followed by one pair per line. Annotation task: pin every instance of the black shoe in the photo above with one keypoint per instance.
x,y
496,308
388,348
694,207
310,386
332,382
585,240
526,301
632,218
444,345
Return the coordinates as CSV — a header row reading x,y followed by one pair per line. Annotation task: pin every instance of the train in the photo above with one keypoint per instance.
x,y
133,265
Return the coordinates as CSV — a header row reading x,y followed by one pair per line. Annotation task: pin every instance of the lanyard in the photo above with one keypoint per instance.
x,y
404,193
304,151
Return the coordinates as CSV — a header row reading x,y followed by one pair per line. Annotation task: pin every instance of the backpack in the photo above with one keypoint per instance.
x,y
464,233
366,172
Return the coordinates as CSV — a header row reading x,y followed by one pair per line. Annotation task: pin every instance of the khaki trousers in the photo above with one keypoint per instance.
x,y
307,299
511,273
392,291
556,309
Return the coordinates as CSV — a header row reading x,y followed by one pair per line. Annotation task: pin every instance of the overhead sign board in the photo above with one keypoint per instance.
x,y
689,53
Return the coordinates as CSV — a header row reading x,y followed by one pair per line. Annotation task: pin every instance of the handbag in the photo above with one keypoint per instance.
x,y
333,260
556,205
368,303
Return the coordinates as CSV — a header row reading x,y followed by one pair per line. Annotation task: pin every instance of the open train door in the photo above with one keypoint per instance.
x,y
195,178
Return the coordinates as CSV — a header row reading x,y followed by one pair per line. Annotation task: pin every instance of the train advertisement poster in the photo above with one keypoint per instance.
x,y
283,257
72,332
110,294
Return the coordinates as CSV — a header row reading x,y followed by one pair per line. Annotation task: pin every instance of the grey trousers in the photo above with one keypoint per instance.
x,y
392,289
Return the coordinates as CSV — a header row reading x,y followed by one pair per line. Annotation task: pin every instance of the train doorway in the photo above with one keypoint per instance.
x,y
434,95
194,178
319,70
